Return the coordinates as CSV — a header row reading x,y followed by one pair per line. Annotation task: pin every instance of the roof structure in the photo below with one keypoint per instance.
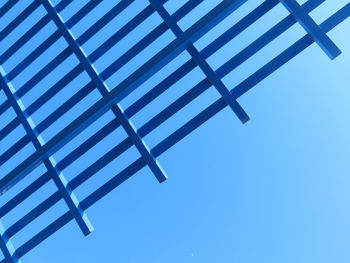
x,y
73,65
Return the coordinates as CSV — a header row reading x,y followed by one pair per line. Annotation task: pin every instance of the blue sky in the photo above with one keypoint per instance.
x,y
272,190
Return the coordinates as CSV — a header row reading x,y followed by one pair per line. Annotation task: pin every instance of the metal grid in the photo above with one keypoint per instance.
x,y
109,98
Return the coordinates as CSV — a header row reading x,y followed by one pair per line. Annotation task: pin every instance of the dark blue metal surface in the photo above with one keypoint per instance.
x,y
110,97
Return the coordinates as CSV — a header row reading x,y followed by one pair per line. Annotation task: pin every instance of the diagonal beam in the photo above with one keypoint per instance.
x,y
202,63
50,164
104,90
305,20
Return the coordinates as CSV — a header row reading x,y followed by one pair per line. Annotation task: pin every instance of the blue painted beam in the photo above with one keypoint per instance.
x,y
9,127
24,194
104,20
85,10
120,34
33,214
24,39
26,87
14,149
88,144
33,55
305,20
54,89
65,107
19,18
6,7
4,107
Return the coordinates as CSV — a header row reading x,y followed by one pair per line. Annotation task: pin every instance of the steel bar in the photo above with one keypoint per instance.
x,y
312,28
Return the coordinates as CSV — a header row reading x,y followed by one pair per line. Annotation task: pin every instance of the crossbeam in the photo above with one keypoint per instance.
x,y
305,20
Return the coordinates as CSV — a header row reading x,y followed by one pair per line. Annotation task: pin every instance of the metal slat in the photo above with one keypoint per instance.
x,y
24,38
33,55
109,185
88,144
52,91
48,68
33,214
120,34
62,5
9,127
19,19
160,88
4,107
6,7
10,152
104,20
81,13
65,107
176,47
101,162
113,183
43,234
24,194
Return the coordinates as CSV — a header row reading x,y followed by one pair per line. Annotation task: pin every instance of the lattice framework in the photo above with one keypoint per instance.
x,y
111,97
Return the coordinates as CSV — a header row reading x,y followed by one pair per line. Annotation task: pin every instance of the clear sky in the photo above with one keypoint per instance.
x,y
275,189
